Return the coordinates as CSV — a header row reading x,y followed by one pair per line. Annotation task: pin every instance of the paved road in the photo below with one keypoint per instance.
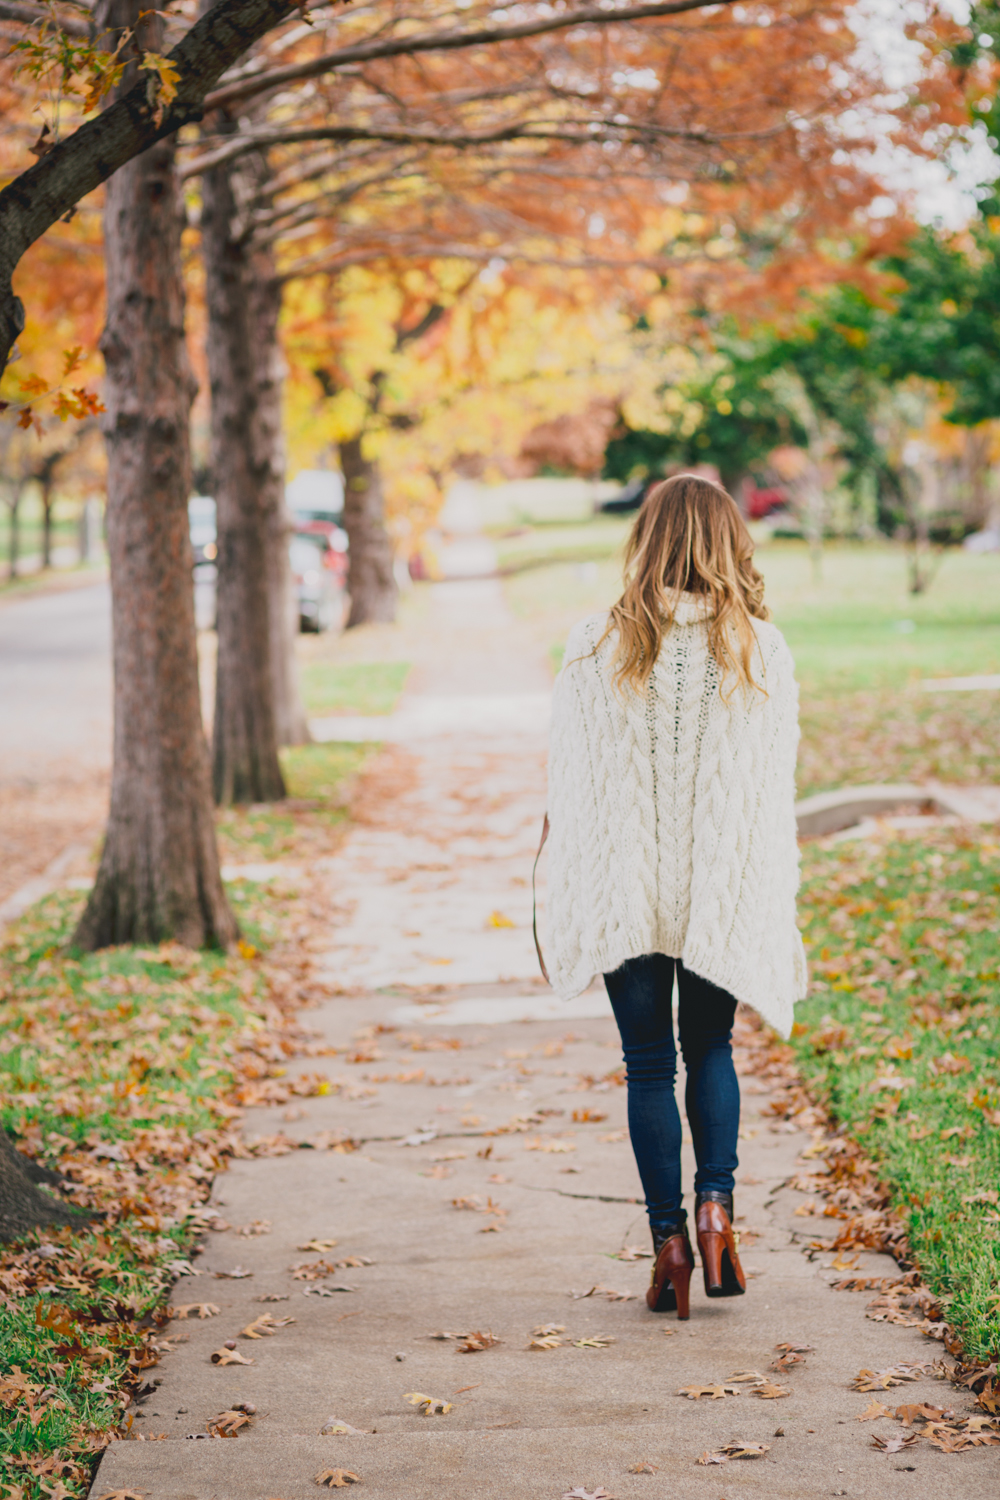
x,y
491,1185
55,685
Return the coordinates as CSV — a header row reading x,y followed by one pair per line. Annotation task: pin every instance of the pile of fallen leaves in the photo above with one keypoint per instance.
x,y
123,1072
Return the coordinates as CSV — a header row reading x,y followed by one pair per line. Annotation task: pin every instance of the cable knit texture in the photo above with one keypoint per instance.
x,y
672,817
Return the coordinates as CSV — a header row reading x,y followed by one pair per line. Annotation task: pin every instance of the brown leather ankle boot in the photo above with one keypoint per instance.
x,y
670,1285
717,1245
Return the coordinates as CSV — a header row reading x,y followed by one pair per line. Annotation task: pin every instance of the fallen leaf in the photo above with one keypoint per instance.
x,y
581,1494
546,1341
337,1479
589,1117
230,1357
203,1309
873,1411
474,1343
122,1495
737,1449
228,1423
748,1377
770,1392
643,1466
334,1427
894,1444
716,1392
599,1341
633,1252
318,1245
607,1292
544,1329
264,1327
548,1144
238,1273
497,919
883,1380
919,1412
430,1406
254,1228
790,1354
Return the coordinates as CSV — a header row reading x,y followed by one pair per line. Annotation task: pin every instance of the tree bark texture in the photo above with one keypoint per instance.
x,y
265,304
370,580
159,874
22,1206
245,764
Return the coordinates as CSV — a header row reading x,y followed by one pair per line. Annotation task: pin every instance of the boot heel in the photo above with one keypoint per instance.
x,y
670,1285
710,1248
682,1291
719,1256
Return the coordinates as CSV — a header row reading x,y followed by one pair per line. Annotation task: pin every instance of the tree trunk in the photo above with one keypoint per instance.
x,y
22,1206
159,873
14,532
370,580
245,764
47,521
265,307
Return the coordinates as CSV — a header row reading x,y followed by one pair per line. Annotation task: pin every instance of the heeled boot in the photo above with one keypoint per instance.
x,y
670,1284
717,1245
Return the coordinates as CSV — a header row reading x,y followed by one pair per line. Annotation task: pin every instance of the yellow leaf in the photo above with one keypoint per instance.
x,y
497,919
165,85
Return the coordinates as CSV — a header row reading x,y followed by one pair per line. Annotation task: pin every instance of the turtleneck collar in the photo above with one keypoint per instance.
x,y
691,609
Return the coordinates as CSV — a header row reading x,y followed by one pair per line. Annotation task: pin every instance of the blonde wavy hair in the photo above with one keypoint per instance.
x,y
688,537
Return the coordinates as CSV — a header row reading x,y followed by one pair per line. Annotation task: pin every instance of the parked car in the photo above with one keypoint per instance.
x,y
627,499
318,589
317,552
332,542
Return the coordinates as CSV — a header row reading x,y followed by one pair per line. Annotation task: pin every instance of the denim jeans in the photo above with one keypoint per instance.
x,y
641,994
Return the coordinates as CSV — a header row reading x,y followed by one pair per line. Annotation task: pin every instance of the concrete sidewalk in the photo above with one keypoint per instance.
x,y
491,1185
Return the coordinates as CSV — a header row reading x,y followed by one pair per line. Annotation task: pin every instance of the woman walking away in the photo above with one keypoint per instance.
x,y
673,848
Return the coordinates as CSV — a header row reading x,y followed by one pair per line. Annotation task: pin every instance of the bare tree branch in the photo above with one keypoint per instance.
x,y
31,13
586,133
331,263
449,41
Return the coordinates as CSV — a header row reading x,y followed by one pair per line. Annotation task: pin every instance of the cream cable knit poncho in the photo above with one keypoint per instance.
x,y
672,818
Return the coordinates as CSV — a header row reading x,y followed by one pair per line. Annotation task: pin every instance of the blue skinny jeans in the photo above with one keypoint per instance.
x,y
641,995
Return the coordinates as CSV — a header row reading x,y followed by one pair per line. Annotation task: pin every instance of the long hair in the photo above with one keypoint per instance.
x,y
688,537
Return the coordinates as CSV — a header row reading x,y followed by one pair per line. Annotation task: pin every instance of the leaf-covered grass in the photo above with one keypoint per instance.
x,y
115,1069
353,687
319,779
900,1038
907,735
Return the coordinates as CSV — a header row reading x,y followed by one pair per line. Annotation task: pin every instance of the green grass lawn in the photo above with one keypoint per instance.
x,y
858,627
113,1069
352,687
319,780
900,1037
